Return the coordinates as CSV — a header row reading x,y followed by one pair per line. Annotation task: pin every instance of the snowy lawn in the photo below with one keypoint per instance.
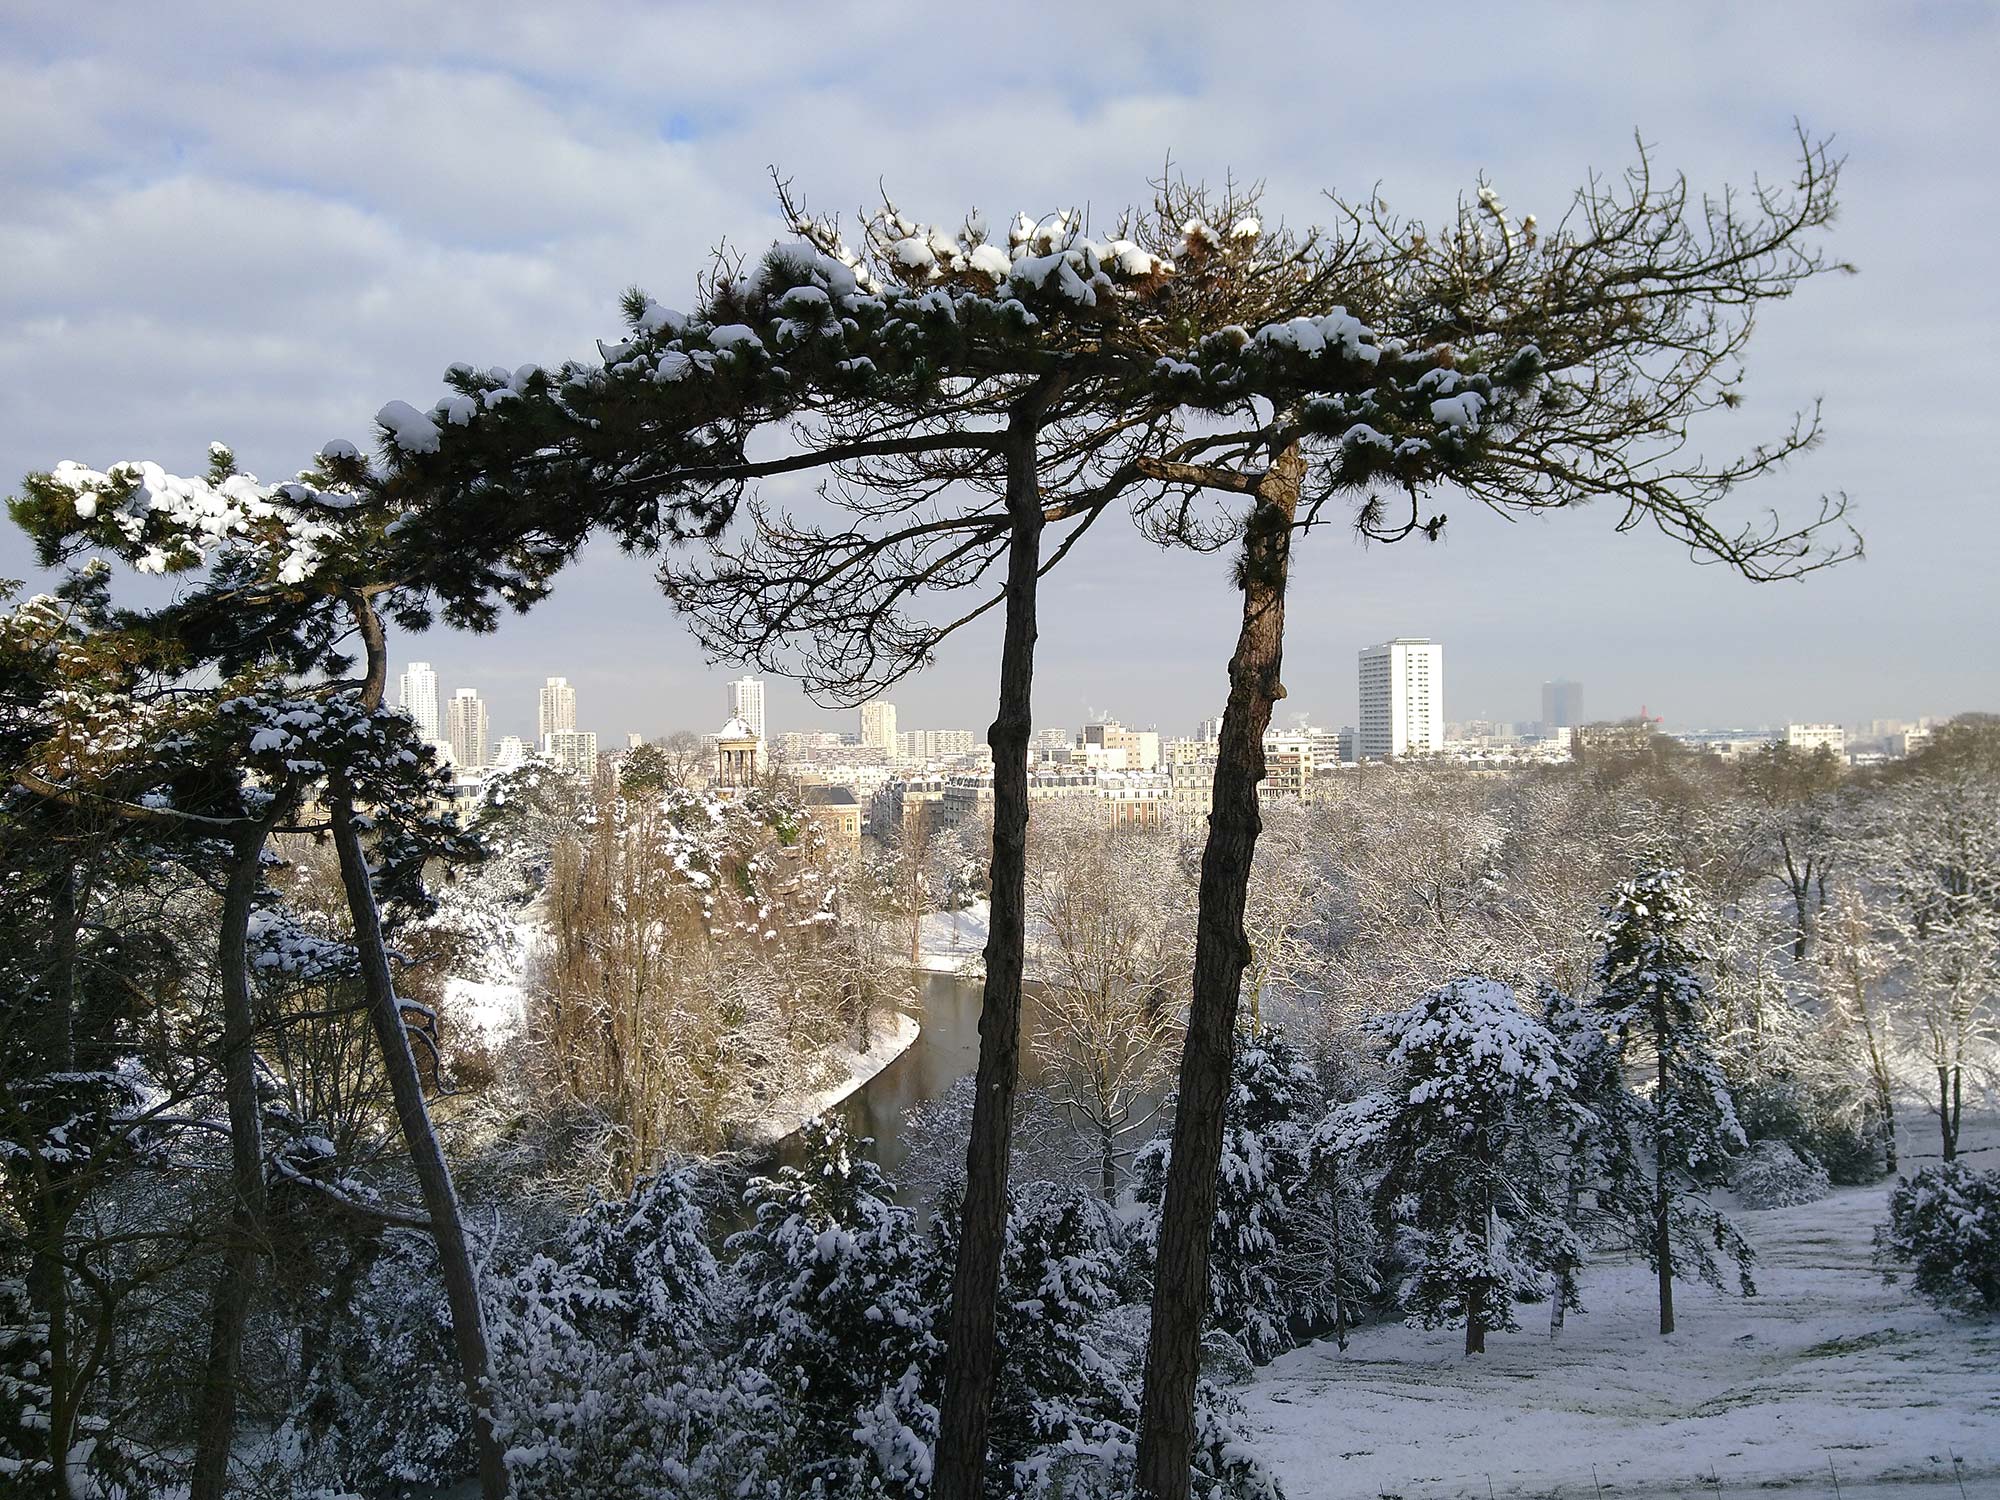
x,y
1824,1363
953,942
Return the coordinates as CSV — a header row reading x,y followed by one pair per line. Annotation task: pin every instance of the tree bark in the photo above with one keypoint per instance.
x,y
385,1015
49,1207
1947,1114
215,1428
1475,1302
1222,952
1566,1272
1886,1103
958,1472
1663,1224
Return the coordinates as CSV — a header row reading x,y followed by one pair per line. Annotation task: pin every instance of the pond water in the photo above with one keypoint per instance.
x,y
946,1050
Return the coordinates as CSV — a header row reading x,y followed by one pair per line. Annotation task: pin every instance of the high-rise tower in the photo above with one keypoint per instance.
x,y
878,728
1562,704
465,727
1402,698
746,702
558,710
418,694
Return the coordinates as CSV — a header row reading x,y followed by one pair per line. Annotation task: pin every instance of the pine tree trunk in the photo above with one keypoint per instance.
x,y
1663,1238
385,1016
1566,1272
1222,953
47,1215
215,1427
958,1472
52,1203
1951,1103
1475,1302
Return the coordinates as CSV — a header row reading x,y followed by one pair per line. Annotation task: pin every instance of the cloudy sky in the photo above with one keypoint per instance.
x,y
258,223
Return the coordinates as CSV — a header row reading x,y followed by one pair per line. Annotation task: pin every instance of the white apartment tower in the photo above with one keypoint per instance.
x,y
574,751
418,693
1811,738
1402,699
558,711
878,728
746,702
465,727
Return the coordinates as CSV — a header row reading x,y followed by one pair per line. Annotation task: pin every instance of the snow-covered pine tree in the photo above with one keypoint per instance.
x,y
383,1409
1944,1226
1657,932
1397,357
1337,1263
613,1377
122,807
287,571
1462,1141
1596,1125
1064,1270
1265,1215
839,1307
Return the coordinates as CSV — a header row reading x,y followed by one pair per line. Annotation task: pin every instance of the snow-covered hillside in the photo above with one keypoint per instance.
x,y
1826,1365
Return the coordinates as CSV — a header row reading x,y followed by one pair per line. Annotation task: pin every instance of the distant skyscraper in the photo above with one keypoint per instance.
x,y
558,710
574,751
419,697
1562,704
746,702
1402,698
878,728
465,726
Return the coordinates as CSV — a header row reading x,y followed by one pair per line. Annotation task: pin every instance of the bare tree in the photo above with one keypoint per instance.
x,y
1853,959
1932,855
1793,794
1108,948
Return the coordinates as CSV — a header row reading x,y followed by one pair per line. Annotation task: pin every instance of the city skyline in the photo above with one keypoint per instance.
x,y
850,724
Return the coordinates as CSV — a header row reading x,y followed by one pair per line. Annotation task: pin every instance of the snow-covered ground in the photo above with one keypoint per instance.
x,y
491,1003
890,1039
1825,1364
953,942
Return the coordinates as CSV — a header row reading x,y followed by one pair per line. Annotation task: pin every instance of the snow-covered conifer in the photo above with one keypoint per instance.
x,y
1944,1225
839,1304
1265,1214
613,1379
1461,1137
1652,994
